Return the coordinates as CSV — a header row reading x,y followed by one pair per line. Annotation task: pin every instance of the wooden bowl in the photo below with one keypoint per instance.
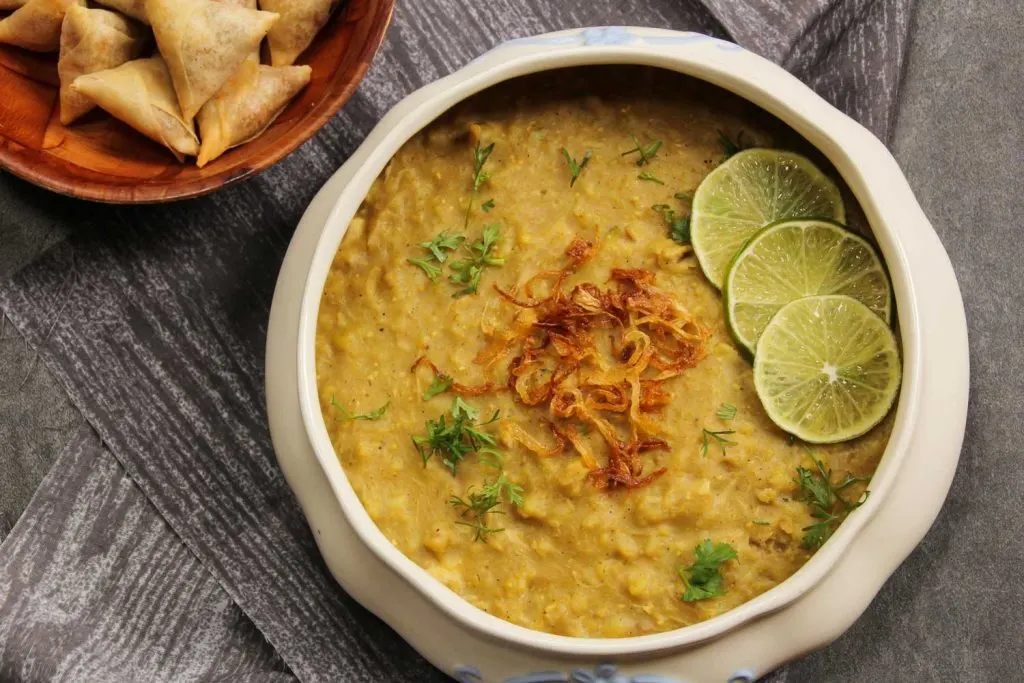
x,y
102,159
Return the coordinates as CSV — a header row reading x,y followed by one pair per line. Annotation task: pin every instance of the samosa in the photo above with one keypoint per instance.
x,y
36,25
92,40
246,105
204,43
136,9
141,94
300,21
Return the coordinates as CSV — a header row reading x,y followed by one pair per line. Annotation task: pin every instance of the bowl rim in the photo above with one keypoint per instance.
x,y
843,141
98,191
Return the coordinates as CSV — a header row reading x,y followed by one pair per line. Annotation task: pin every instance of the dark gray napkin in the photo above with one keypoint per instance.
x,y
154,318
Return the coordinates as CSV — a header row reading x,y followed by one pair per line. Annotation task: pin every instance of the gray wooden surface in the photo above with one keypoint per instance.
x,y
153,320
106,540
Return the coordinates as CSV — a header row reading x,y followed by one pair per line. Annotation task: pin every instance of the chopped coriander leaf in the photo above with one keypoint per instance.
x,y
477,506
826,501
467,271
762,522
480,176
683,196
679,230
488,205
678,226
441,384
491,457
460,407
480,528
731,146
703,578
719,438
432,271
344,414
646,152
439,244
513,493
726,411
454,441
650,177
576,168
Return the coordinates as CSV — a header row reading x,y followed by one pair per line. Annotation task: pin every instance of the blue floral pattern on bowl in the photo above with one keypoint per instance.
x,y
608,35
620,35
604,673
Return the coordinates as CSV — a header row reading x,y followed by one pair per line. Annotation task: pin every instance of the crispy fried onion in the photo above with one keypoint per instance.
x,y
561,365
460,389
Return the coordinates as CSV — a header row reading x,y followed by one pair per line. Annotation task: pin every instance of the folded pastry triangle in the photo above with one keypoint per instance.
x,y
300,21
140,93
36,25
246,105
136,9
92,40
204,42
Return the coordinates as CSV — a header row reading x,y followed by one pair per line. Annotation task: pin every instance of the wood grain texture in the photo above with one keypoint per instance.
x,y
113,594
154,317
102,159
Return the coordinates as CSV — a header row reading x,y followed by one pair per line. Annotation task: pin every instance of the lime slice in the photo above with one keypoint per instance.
x,y
793,259
827,368
750,190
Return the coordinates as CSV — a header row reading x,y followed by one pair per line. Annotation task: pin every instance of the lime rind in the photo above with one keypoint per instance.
x,y
827,368
792,259
752,189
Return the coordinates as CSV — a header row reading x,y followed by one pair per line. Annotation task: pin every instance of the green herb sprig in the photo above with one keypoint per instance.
x,y
646,152
436,253
727,411
478,505
826,501
703,578
576,167
650,177
678,226
433,272
480,176
454,440
718,437
439,385
467,271
344,414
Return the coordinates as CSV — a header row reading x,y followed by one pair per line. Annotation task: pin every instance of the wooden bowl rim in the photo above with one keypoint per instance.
x,y
98,191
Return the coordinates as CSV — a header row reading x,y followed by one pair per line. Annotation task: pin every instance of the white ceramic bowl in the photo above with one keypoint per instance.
x,y
806,611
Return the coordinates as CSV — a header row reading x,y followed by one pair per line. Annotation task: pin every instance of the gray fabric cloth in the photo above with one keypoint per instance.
x,y
36,417
95,587
38,420
154,319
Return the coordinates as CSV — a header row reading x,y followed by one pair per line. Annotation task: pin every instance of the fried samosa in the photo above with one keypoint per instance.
x,y
36,25
300,21
141,94
204,43
246,105
92,40
136,9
